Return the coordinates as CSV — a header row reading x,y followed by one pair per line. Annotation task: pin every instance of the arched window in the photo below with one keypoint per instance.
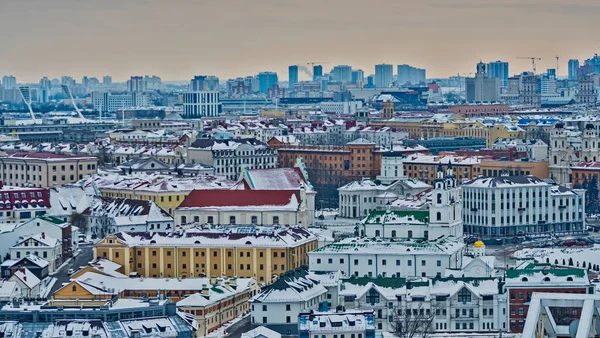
x,y
393,233
546,279
439,216
409,233
569,279
74,288
524,279
377,233
439,198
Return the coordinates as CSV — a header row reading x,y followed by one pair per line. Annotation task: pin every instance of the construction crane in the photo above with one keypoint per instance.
x,y
532,58
315,63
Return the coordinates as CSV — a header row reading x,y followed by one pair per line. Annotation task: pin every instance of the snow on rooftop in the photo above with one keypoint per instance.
x,y
447,245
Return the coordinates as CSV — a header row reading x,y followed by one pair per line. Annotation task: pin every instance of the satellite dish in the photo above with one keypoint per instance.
x,y
573,328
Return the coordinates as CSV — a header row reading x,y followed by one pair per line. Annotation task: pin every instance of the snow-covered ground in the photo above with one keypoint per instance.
x,y
587,254
222,331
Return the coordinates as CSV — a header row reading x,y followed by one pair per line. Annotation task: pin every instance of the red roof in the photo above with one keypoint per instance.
x,y
228,198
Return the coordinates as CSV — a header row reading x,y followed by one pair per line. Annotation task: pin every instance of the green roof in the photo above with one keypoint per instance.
x,y
554,272
380,216
52,219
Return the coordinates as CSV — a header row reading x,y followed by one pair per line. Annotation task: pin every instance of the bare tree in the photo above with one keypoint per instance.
x,y
80,221
413,323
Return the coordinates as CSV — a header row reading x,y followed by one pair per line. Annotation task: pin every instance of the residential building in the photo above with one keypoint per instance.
x,y
28,284
266,81
359,198
293,76
410,257
48,248
347,323
341,73
246,251
330,167
37,265
384,75
573,68
517,167
45,169
451,304
482,87
106,215
244,207
445,144
228,157
19,204
9,82
198,104
587,93
535,149
204,83
522,283
424,167
358,76
480,109
219,303
107,80
111,102
410,75
137,84
339,108
508,206
317,72
529,91
498,70
14,233
278,305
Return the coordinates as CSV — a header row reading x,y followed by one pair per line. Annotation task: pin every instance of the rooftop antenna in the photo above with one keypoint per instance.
x,y
67,90
26,96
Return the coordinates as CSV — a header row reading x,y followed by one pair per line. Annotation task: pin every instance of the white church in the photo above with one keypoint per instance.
x,y
564,155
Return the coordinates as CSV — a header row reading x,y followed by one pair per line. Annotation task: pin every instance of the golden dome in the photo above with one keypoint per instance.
x,y
478,244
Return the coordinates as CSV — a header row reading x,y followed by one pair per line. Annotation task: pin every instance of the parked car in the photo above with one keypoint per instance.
x,y
70,272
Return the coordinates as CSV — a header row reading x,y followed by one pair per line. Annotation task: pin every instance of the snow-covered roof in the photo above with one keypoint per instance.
x,y
347,321
108,267
42,238
436,159
276,179
212,294
292,287
505,182
261,332
215,236
448,245
126,211
26,277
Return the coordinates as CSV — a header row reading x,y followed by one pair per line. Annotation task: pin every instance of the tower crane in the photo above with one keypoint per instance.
x,y
316,63
532,58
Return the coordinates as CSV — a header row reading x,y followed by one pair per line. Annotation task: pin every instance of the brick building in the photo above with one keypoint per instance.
x,y
330,167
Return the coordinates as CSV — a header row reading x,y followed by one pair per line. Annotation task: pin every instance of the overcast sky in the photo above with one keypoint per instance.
x,y
177,39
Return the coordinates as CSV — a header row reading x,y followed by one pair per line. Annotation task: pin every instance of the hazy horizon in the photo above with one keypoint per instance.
x,y
231,38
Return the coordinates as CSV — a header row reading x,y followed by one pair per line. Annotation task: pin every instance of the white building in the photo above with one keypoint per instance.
x,y
230,156
28,284
278,306
342,323
507,206
388,258
339,108
359,198
244,207
109,102
567,150
48,248
537,150
199,104
452,304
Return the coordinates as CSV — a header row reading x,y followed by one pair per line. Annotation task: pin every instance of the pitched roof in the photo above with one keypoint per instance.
x,y
240,198
26,277
276,179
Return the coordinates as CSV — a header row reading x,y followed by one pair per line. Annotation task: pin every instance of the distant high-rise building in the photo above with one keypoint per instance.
x,y
9,82
93,82
107,80
317,72
45,83
341,73
482,87
573,67
266,81
358,76
498,70
85,82
370,81
529,91
411,75
67,80
293,76
153,82
384,75
137,84
204,83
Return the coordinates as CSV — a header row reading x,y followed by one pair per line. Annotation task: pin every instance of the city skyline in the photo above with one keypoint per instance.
x,y
95,38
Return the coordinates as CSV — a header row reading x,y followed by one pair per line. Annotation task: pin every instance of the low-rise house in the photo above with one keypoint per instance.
x,y
9,291
40,245
38,266
347,323
107,215
28,283
261,332
219,303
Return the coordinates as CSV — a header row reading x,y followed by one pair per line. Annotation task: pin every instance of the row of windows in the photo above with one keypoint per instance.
x,y
383,262
232,219
202,254
215,266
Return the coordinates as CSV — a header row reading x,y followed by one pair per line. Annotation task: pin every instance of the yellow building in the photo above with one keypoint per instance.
x,y
424,167
245,251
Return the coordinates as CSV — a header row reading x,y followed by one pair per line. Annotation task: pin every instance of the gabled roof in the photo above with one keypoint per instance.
x,y
26,277
275,179
40,238
241,198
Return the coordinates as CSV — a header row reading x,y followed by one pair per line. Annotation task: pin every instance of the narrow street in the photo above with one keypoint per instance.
x,y
80,259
